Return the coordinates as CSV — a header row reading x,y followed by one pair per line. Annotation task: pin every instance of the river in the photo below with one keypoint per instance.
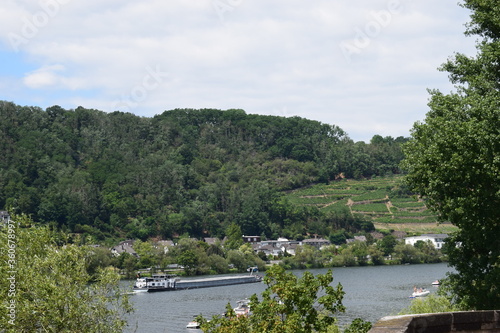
x,y
371,292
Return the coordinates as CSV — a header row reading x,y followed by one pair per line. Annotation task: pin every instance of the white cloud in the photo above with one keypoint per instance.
x,y
44,77
52,77
265,57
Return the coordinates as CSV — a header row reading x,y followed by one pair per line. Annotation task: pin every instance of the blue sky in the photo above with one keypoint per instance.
x,y
363,65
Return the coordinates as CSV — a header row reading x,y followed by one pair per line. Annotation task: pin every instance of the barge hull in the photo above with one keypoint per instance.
x,y
152,290
216,282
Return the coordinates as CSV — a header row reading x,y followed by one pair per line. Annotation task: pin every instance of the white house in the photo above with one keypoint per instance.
x,y
436,239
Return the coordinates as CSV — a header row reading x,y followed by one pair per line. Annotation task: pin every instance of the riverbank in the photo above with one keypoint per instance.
x,y
181,273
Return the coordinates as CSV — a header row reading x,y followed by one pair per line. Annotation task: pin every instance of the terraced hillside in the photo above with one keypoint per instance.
x,y
380,199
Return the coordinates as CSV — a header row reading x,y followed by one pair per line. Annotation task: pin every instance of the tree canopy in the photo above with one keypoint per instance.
x,y
453,160
181,172
47,287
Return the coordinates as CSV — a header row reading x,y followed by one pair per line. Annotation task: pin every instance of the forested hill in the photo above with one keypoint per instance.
x,y
182,172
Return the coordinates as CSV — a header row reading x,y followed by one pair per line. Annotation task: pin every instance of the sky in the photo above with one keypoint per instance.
x,y
362,65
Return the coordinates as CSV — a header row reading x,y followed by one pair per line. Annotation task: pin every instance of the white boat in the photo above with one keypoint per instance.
x,y
243,308
193,324
140,285
420,293
163,282
436,283
157,282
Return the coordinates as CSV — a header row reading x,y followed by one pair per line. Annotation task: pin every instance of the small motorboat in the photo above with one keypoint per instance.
x,y
193,324
420,293
436,283
253,269
243,308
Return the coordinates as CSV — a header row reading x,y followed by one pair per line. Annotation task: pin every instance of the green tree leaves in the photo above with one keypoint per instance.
x,y
234,237
452,160
289,304
184,171
52,289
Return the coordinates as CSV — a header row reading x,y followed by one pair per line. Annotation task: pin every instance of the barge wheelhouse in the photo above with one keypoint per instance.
x,y
157,282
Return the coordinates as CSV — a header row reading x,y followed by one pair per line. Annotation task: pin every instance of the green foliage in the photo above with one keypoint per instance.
x,y
359,253
289,304
189,260
47,286
338,237
116,175
407,254
358,325
99,258
430,304
388,244
127,263
452,160
199,258
234,237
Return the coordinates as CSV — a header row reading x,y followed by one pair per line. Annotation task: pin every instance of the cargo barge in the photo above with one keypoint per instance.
x,y
216,281
162,282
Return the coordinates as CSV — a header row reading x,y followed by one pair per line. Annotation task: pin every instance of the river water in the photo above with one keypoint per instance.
x,y
371,293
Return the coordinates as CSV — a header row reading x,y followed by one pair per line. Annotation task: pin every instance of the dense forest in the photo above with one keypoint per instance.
x,y
182,172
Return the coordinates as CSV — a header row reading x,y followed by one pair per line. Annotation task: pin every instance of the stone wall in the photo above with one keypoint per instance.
x,y
466,322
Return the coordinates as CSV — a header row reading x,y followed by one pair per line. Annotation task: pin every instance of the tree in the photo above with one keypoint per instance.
x,y
99,258
431,304
387,244
289,304
360,251
453,161
185,171
189,260
338,237
376,255
234,237
305,256
47,286
428,252
407,254
148,255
